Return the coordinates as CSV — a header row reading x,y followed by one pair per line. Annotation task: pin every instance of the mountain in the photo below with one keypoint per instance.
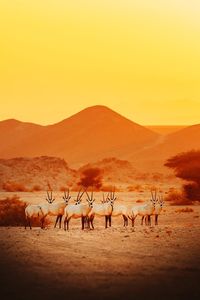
x,y
15,136
165,129
92,134
154,156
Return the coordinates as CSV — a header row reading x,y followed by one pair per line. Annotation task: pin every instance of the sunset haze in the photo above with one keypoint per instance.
x,y
140,58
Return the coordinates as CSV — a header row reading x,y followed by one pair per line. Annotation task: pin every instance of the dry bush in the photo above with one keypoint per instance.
x,y
157,176
109,188
177,198
91,177
63,189
130,188
139,201
12,211
135,188
142,176
12,186
36,188
184,210
187,166
192,190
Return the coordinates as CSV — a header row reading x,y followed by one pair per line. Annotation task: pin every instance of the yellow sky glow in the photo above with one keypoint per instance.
x,y
140,58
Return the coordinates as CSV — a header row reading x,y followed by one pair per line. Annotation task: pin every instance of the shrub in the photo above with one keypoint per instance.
x,y
184,210
177,198
135,188
12,186
91,177
36,188
12,212
139,201
187,166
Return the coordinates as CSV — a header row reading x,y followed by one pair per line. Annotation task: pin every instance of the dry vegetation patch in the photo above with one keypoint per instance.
x,y
184,210
12,212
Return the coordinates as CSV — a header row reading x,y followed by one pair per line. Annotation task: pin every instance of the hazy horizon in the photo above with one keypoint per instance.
x,y
58,121
140,58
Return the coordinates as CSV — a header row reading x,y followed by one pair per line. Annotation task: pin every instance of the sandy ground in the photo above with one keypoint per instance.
x,y
158,262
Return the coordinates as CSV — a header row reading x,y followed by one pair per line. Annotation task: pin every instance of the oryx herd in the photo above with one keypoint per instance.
x,y
88,210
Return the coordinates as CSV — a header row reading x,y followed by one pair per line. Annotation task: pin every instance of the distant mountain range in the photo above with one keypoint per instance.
x,y
93,134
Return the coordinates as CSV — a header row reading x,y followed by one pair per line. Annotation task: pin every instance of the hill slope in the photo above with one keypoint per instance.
x,y
181,141
38,173
92,134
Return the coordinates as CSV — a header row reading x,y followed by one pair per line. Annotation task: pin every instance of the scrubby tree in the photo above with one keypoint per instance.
x,y
91,177
187,166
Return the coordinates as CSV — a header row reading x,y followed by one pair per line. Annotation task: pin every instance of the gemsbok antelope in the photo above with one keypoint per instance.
x,y
103,210
158,208
145,211
76,211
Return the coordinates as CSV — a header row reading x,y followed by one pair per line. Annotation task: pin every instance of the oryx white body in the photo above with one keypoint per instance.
x,y
52,208
33,211
158,209
78,210
103,210
120,210
145,210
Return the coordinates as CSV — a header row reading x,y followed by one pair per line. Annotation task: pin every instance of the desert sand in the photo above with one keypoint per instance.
x,y
157,262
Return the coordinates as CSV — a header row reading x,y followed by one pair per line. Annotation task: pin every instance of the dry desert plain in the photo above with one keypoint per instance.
x,y
157,262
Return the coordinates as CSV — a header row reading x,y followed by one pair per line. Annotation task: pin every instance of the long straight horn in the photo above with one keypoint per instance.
x,y
87,195
155,194
103,198
48,198
107,197
81,195
113,193
78,194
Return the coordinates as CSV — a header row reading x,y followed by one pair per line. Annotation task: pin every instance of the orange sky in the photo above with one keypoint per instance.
x,y
140,58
